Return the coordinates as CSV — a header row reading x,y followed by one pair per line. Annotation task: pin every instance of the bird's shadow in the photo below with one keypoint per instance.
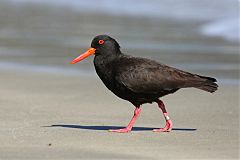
x,y
105,128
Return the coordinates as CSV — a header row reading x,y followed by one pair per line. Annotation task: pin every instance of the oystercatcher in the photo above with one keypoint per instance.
x,y
140,80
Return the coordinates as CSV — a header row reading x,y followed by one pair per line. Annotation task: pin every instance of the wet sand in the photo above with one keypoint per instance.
x,y
45,116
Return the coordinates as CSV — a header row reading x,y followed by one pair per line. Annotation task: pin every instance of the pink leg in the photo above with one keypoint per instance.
x,y
131,123
169,124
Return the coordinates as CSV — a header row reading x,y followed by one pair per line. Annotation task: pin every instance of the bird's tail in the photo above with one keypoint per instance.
x,y
209,84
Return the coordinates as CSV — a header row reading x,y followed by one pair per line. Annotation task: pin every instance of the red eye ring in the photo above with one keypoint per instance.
x,y
101,41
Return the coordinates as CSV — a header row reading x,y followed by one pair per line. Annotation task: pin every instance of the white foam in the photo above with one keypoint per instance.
x,y
227,28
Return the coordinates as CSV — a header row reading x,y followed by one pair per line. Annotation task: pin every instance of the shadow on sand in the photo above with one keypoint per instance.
x,y
100,128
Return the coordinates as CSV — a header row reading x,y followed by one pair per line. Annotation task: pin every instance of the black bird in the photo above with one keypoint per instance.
x,y
140,80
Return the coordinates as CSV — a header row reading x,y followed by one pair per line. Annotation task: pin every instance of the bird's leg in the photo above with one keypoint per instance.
x,y
168,126
131,123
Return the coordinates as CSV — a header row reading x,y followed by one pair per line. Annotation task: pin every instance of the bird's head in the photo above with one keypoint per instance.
x,y
101,45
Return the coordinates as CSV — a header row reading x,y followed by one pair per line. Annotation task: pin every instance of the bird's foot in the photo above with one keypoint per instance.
x,y
123,130
167,128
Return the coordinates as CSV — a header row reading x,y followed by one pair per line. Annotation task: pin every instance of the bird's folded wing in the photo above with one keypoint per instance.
x,y
151,77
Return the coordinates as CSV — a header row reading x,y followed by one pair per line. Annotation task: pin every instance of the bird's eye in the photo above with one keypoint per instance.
x,y
100,41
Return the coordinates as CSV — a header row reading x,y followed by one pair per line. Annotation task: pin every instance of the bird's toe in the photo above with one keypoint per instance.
x,y
123,130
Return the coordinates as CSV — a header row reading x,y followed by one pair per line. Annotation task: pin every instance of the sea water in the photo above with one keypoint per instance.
x,y
39,35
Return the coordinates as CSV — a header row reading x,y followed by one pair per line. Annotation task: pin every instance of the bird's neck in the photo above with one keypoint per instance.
x,y
105,63
106,57
104,66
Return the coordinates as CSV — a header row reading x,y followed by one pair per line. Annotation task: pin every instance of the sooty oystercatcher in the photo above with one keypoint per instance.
x,y
140,80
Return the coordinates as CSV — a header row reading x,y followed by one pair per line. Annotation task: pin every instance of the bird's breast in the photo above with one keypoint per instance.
x,y
104,70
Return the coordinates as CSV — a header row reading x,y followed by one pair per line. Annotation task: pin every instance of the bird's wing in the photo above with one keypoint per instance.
x,y
146,76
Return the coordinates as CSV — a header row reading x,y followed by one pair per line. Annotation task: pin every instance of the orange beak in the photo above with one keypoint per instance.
x,y
89,52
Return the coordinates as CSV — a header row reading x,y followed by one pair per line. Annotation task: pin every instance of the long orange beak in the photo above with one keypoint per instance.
x,y
89,52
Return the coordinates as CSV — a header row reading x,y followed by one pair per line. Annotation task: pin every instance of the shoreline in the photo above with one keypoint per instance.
x,y
90,73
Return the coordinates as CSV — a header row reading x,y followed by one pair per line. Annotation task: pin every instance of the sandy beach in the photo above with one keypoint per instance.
x,y
46,116
52,110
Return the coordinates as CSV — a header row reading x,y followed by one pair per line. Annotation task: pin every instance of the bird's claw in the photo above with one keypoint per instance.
x,y
123,130
167,128
162,130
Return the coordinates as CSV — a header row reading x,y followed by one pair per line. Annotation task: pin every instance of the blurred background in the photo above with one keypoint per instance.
x,y
45,35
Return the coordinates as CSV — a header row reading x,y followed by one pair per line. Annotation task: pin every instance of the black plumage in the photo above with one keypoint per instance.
x,y
141,80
